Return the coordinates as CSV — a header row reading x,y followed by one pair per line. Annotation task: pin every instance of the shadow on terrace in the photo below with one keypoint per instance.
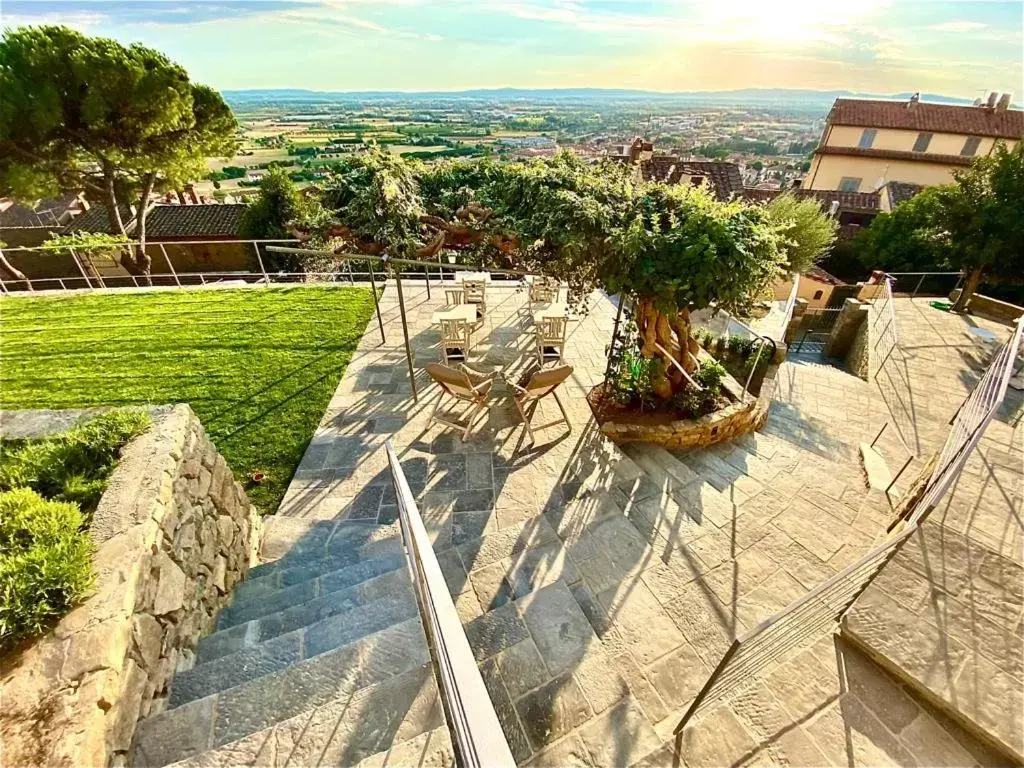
x,y
598,592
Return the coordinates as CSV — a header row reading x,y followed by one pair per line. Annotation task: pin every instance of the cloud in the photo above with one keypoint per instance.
x,y
958,26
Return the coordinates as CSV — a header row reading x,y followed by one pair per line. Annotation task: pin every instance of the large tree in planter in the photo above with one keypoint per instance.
x,y
682,251
121,122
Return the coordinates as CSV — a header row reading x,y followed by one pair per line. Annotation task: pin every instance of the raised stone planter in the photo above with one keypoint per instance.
x,y
173,532
738,418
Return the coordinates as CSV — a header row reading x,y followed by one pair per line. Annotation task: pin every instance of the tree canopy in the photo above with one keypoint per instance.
x,y
676,248
79,112
974,225
807,234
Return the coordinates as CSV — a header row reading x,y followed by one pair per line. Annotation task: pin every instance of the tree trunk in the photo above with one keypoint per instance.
x,y
968,290
11,273
667,340
113,212
142,260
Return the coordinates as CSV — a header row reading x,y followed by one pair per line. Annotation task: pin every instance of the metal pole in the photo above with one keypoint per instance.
x,y
917,288
746,387
426,276
169,265
615,336
879,434
78,263
405,333
259,260
3,288
376,302
897,477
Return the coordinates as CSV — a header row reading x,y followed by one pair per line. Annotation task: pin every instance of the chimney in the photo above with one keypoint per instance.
x,y
914,100
190,191
181,197
1004,102
991,101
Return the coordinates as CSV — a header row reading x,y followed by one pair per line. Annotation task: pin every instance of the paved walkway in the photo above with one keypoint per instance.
x,y
598,587
948,610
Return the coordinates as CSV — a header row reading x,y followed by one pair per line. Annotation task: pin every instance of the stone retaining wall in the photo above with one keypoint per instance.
x,y
992,309
173,532
858,359
724,425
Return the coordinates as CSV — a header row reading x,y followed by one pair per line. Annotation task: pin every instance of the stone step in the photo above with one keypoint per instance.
x,y
248,608
280,576
313,627
338,708
292,542
655,461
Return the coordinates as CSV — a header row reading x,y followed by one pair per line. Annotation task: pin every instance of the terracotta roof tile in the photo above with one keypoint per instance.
x,y
848,201
203,220
923,116
725,178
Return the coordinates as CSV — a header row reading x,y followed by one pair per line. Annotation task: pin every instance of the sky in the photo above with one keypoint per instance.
x,y
879,46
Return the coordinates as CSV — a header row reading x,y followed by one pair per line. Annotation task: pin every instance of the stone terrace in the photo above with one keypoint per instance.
x,y
948,610
598,587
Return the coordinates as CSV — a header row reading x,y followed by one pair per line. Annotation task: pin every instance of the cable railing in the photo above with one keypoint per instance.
x,y
476,731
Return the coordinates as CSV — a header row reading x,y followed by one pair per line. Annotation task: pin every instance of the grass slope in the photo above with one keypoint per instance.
x,y
257,366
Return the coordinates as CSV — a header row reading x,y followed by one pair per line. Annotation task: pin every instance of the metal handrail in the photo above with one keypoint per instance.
x,y
476,731
760,349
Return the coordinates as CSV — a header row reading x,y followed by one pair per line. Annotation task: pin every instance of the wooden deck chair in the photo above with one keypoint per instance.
x,y
475,292
464,385
535,384
550,338
455,341
543,290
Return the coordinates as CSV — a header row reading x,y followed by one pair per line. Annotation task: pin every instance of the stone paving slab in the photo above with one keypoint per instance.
x,y
597,594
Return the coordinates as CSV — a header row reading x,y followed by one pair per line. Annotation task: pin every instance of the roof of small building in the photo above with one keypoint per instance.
x,y
924,116
44,213
206,220
848,201
725,178
202,220
821,276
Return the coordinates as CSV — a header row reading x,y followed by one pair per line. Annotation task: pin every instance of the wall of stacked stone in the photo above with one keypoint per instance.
x,y
858,359
722,426
174,532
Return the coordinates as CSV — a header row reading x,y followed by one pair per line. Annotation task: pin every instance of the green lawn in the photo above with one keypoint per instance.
x,y
257,365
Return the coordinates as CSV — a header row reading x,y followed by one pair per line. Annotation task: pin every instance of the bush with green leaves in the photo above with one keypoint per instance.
x,y
73,466
695,402
45,563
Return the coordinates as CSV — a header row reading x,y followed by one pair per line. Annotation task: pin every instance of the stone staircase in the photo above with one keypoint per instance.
x,y
320,657
594,619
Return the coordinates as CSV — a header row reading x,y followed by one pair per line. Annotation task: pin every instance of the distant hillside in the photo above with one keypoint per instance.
x,y
756,97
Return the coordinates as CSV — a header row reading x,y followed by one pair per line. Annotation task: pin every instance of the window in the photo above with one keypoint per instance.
x,y
867,138
817,294
923,140
849,184
971,146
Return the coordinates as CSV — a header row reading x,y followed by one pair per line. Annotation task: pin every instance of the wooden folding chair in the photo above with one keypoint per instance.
x,y
535,384
464,385
550,338
455,341
475,292
543,290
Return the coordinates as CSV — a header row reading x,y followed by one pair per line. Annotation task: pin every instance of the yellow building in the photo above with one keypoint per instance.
x,y
869,143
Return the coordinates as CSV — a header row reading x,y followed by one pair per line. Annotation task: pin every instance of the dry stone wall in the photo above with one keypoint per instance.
x,y
721,426
173,532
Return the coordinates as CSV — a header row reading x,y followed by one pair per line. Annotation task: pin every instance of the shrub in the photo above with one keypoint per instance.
x,y
73,466
45,562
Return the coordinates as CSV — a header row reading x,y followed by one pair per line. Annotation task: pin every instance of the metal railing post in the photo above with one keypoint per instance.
x,y
81,268
405,333
376,302
615,336
259,260
746,387
169,265
917,288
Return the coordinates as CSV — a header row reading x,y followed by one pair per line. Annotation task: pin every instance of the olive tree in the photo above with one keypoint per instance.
x,y
119,121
